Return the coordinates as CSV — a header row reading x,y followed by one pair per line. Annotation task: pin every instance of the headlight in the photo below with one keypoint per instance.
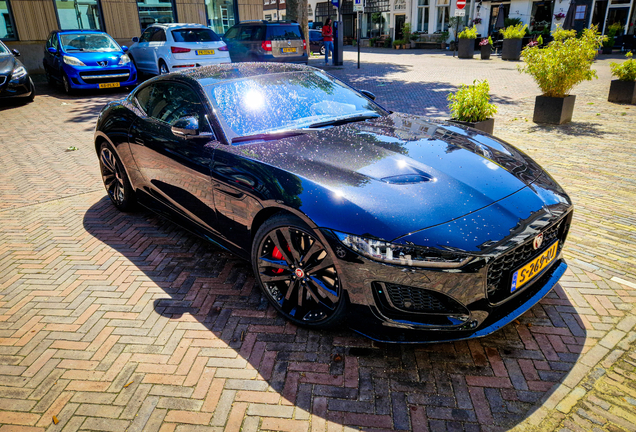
x,y
124,59
400,254
72,61
18,73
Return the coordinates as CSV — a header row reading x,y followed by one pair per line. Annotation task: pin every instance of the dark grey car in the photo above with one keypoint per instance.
x,y
264,41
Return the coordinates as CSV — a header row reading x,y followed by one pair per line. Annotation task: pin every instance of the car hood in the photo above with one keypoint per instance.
x,y
7,64
398,174
91,58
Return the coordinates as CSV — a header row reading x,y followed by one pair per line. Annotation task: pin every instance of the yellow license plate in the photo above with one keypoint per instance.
x,y
289,50
205,52
109,85
526,273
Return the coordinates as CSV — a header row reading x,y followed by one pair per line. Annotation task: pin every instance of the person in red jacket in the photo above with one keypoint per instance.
x,y
327,38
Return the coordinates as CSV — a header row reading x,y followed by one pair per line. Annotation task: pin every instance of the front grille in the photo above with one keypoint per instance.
x,y
500,270
418,300
105,76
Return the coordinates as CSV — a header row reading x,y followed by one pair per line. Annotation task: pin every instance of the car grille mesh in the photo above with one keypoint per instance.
x,y
500,271
413,299
105,76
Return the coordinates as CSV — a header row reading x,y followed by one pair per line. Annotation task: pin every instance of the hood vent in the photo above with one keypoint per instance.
x,y
403,179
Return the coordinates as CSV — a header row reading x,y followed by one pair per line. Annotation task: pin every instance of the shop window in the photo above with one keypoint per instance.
x,y
422,16
81,14
220,15
155,12
7,29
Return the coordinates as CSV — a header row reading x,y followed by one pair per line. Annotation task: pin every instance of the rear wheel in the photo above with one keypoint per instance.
x,y
296,271
322,50
115,179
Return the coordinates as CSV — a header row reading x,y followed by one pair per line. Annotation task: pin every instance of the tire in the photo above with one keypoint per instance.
x,y
163,68
115,179
296,272
31,98
322,50
66,83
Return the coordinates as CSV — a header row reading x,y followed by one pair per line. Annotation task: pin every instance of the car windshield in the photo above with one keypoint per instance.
x,y
88,42
284,101
195,35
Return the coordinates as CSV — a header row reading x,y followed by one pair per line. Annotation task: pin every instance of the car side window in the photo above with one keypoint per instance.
x,y
172,101
158,36
143,97
246,33
145,36
49,42
55,42
232,33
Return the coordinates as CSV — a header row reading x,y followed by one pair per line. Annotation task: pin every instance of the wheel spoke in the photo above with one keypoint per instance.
x,y
293,247
276,278
107,160
278,264
315,247
325,263
323,290
274,237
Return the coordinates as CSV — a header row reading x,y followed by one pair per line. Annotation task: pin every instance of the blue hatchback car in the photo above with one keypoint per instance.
x,y
87,59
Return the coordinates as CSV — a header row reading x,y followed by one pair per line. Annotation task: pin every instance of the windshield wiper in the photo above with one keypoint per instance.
x,y
341,121
268,136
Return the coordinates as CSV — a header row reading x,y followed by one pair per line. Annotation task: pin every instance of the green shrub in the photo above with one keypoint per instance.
x,y
564,62
445,35
625,71
508,22
611,35
372,42
517,31
471,103
468,33
387,42
398,42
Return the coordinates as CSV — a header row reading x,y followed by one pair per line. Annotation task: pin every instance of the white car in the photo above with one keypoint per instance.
x,y
164,48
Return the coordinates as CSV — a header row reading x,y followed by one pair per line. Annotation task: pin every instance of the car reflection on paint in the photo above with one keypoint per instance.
x,y
402,228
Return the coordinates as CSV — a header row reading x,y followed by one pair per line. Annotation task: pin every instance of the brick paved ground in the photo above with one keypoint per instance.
x,y
112,321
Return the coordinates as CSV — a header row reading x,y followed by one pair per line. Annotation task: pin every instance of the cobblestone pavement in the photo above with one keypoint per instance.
x,y
112,321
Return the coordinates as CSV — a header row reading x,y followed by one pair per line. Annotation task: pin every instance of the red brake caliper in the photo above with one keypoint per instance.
x,y
277,254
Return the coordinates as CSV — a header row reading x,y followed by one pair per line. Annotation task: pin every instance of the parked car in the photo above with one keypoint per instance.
x,y
87,59
15,82
316,43
164,48
265,41
406,229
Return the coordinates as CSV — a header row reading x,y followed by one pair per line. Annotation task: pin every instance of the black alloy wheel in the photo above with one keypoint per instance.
x,y
297,273
115,179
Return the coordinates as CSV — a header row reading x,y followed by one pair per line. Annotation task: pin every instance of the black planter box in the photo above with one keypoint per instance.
x,y
607,50
487,125
485,52
553,110
466,48
623,92
511,49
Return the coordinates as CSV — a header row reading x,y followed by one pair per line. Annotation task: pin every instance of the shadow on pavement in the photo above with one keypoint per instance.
x,y
211,297
573,128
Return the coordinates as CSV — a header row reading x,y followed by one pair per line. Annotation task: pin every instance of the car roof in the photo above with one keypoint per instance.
x,y
210,75
252,22
175,26
79,31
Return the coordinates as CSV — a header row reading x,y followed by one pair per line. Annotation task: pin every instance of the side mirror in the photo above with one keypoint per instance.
x,y
124,48
16,52
186,127
135,39
368,94
51,50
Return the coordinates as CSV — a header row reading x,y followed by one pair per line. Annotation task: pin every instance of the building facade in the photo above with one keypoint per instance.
x,y
25,24
432,16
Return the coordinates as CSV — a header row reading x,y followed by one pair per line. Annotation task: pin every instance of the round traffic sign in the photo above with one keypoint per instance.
x,y
461,4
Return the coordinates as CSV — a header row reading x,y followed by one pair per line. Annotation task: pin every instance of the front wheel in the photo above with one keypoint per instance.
x,y
66,82
163,68
115,179
297,273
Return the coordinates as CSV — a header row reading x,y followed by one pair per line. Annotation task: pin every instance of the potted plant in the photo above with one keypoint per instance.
x,y
557,68
414,38
470,106
445,35
466,49
608,45
623,89
513,36
486,48
406,35
397,44
387,42
559,16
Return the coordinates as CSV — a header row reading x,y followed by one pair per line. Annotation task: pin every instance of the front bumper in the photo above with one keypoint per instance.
x,y
391,303
90,77
21,88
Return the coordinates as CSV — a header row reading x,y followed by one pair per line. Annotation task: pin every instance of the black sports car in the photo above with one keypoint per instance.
x,y
403,228
15,81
